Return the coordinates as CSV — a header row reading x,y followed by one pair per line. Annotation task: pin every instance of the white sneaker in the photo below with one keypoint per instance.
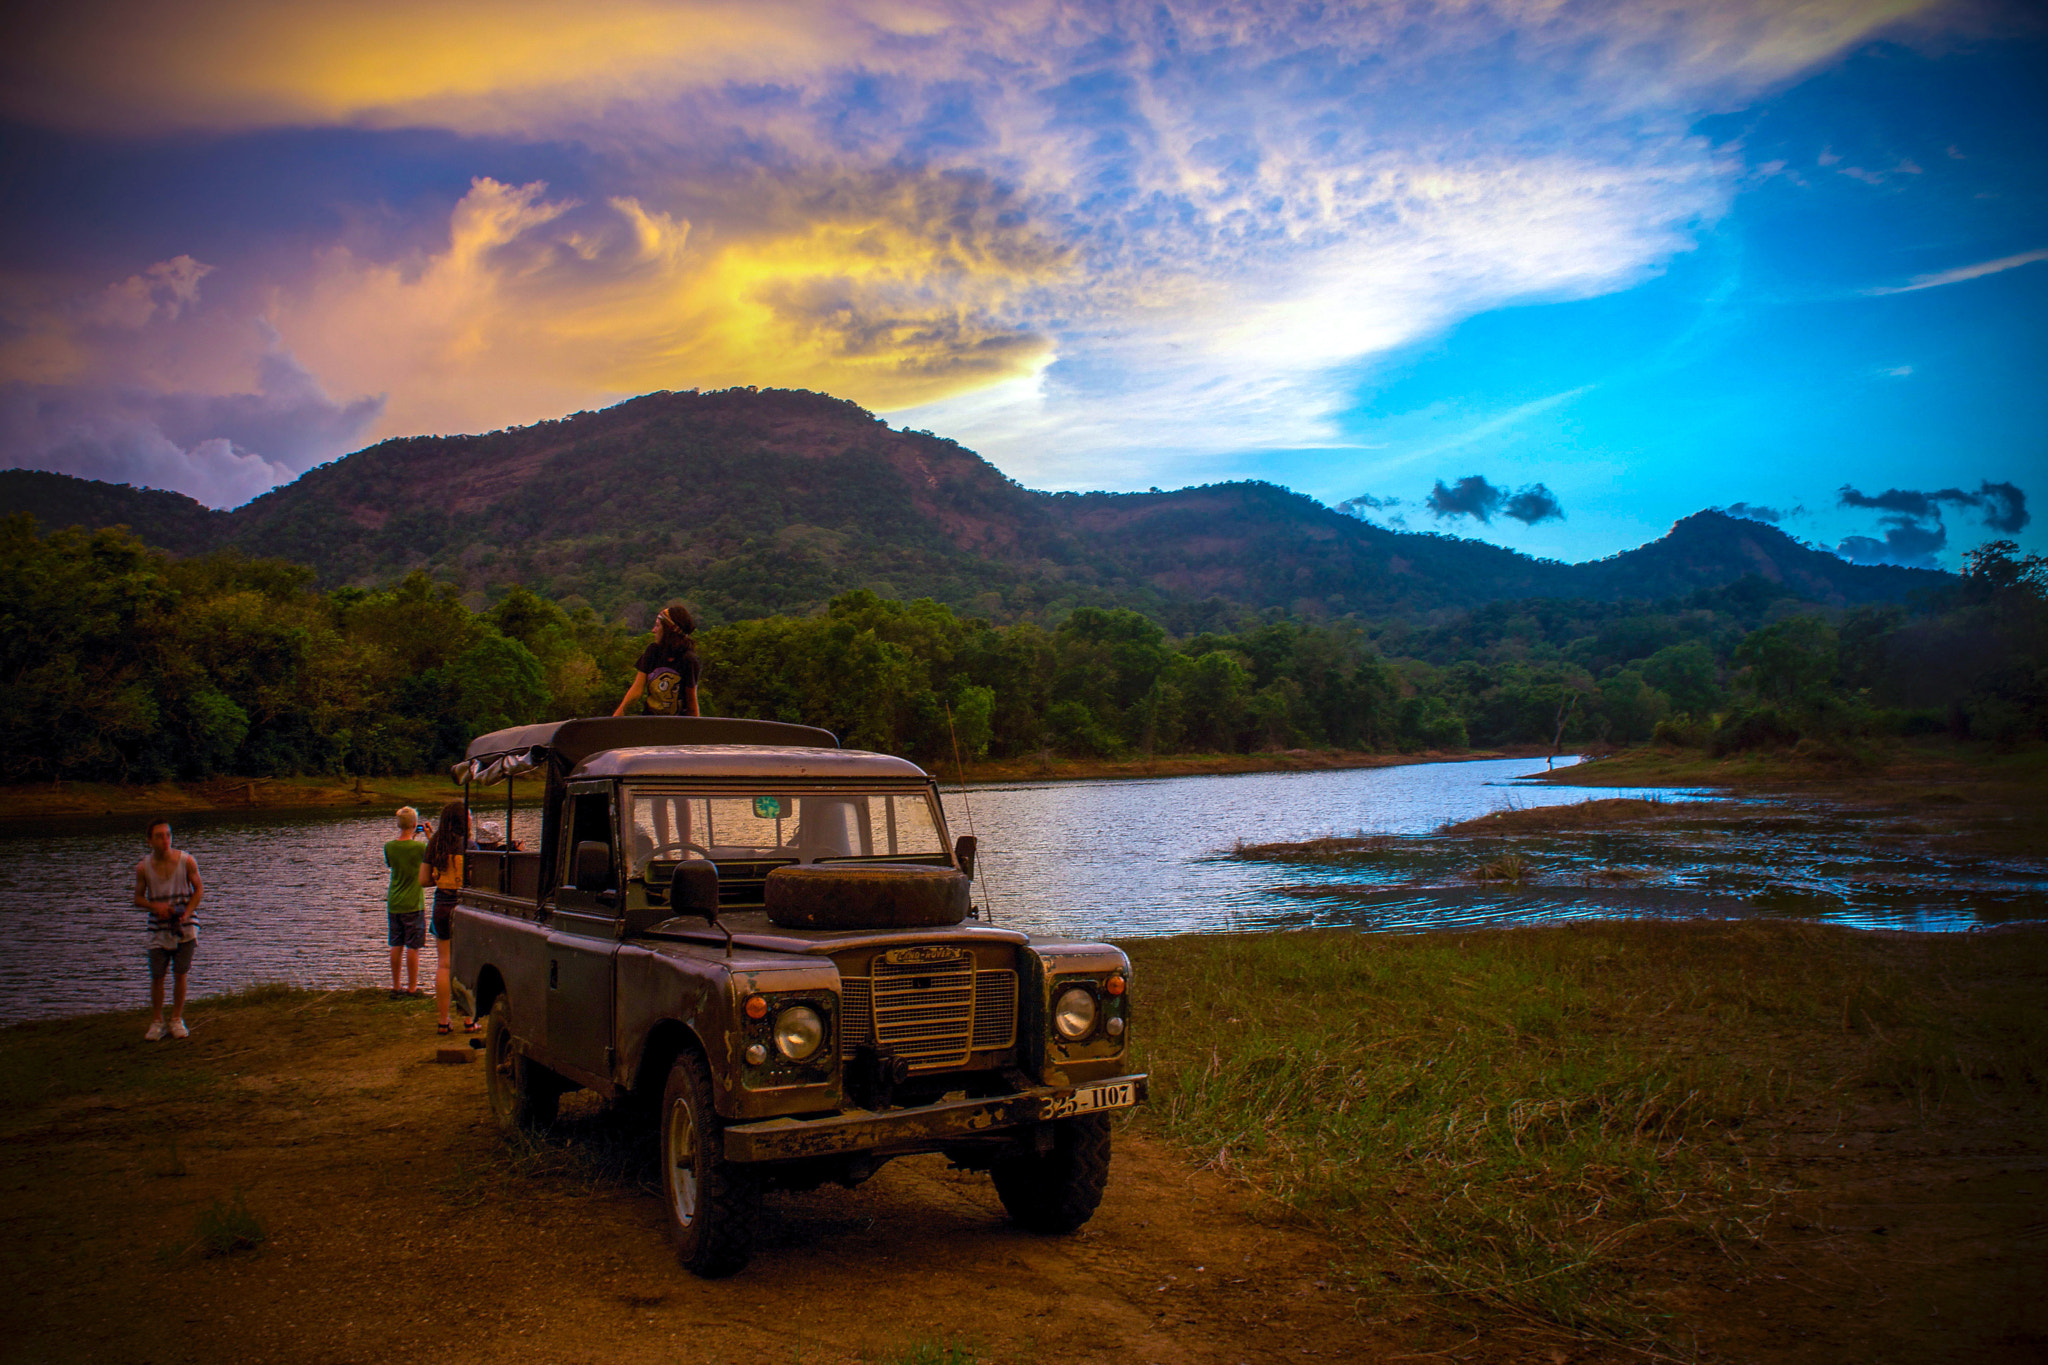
x,y
178,1030
156,1031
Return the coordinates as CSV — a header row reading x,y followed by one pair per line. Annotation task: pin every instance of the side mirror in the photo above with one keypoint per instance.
x,y
963,854
593,866
694,890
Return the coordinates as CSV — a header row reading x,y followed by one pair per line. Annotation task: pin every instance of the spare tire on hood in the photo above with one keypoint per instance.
x,y
865,896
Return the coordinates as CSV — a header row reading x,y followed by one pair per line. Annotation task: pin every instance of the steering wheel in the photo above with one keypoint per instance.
x,y
681,846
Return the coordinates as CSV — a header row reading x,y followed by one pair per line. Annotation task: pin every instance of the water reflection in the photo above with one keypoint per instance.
x,y
300,897
1140,858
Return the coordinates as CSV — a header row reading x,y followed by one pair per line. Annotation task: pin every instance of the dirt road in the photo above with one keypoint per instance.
x,y
399,1224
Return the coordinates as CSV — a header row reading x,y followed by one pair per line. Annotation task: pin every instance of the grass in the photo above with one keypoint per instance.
x,y
1600,813
931,1353
593,1148
226,1226
1515,1120
1510,867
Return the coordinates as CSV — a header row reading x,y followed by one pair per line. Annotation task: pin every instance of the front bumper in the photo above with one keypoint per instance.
x,y
864,1130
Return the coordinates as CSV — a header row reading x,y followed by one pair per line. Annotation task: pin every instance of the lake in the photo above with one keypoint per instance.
x,y
299,897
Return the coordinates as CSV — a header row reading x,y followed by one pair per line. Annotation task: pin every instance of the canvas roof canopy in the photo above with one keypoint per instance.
x,y
564,744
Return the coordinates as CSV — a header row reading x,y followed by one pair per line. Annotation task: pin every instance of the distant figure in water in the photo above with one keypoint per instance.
x,y
403,905
668,670
167,886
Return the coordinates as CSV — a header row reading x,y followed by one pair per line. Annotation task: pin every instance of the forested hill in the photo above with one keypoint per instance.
x,y
169,521
754,503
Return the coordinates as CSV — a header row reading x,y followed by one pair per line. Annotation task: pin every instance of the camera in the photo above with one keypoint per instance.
x,y
419,829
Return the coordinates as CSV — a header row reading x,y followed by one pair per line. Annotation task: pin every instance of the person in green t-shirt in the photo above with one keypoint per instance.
x,y
403,906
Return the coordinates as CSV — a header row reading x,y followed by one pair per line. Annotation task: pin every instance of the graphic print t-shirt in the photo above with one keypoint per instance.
x,y
670,671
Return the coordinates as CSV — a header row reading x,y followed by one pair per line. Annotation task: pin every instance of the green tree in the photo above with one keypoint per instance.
x,y
1790,660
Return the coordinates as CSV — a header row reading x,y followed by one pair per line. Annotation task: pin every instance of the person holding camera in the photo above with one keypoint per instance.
x,y
442,870
404,907
167,886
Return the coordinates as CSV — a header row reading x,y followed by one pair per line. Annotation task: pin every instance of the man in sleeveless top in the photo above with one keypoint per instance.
x,y
167,886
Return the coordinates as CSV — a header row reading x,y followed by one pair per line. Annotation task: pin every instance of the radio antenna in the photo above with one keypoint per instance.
x,y
960,780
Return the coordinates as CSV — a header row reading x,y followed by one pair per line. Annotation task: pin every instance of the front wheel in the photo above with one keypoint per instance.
x,y
524,1094
712,1203
1059,1190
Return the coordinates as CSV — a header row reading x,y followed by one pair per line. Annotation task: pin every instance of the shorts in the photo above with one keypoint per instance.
x,y
444,910
405,931
179,957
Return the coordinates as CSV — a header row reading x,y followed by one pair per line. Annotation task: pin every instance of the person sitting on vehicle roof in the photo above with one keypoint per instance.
x,y
668,670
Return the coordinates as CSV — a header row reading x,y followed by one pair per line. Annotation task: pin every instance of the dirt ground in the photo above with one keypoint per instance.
x,y
398,1222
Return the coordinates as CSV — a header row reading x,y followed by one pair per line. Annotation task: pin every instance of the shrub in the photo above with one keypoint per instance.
x,y
1681,732
1764,727
226,1226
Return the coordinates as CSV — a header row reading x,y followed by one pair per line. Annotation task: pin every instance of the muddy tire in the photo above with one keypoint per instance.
x,y
848,896
1059,1191
712,1203
524,1094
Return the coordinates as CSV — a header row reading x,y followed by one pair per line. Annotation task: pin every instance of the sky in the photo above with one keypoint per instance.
x,y
1550,273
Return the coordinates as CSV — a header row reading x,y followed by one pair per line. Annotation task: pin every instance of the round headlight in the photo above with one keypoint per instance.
x,y
1073,1014
799,1032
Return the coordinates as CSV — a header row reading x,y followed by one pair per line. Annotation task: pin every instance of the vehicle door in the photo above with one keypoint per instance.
x,y
583,934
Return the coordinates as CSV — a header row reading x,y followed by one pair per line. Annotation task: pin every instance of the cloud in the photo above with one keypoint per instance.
x,y
221,449
1962,273
1906,543
1753,512
888,290
1915,530
1364,503
2004,505
1533,504
1082,239
528,65
1472,496
164,290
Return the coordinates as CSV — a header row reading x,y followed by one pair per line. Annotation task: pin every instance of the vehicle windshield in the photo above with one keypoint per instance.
x,y
669,827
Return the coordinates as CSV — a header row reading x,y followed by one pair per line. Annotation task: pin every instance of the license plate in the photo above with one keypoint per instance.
x,y
1122,1095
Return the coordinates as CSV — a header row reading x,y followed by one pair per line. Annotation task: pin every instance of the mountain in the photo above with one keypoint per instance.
x,y
1709,549
749,502
169,521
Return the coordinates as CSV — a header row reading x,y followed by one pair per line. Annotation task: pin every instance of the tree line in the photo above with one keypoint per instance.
x,y
124,664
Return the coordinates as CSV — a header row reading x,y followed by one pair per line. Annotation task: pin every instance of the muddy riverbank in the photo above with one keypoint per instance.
x,y
1928,839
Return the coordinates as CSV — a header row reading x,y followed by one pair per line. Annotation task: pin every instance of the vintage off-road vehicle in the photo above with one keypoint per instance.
x,y
768,941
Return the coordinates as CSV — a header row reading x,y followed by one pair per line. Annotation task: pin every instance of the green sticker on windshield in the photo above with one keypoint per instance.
x,y
771,808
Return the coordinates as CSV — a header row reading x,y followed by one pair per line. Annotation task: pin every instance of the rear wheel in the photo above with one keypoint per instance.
x,y
1059,1190
524,1094
712,1203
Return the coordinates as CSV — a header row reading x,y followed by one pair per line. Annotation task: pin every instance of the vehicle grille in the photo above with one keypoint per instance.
x,y
930,1014
995,1009
856,1014
924,1011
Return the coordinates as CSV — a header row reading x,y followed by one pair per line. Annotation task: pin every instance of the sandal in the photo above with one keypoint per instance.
x,y
472,1027
443,1029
